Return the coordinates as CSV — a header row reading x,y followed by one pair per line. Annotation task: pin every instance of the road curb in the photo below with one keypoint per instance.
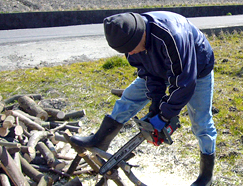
x,y
66,18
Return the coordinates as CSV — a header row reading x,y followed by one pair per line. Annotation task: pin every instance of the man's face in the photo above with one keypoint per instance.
x,y
140,47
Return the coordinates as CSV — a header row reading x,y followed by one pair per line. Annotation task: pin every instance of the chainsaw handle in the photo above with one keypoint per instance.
x,y
167,135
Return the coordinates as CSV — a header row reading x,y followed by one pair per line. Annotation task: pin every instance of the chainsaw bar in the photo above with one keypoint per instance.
x,y
122,153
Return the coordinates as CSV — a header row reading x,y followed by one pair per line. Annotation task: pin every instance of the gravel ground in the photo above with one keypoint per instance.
x,y
58,5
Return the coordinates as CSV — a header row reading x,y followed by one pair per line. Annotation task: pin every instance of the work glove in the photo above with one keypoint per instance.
x,y
154,107
157,122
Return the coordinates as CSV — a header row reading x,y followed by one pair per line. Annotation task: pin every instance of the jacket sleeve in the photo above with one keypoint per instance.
x,y
182,71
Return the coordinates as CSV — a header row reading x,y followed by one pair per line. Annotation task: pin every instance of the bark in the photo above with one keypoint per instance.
x,y
31,172
28,122
75,114
30,106
51,147
9,166
49,157
55,113
35,138
16,97
53,124
33,118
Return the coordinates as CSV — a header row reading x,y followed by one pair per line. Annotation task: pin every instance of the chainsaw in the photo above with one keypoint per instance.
x,y
147,132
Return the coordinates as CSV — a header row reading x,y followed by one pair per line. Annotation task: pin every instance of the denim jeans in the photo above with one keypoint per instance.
x,y
199,108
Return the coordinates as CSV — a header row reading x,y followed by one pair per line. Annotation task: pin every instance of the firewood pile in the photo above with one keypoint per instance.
x,y
30,138
35,146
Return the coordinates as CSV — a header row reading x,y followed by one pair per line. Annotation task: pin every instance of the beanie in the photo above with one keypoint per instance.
x,y
124,31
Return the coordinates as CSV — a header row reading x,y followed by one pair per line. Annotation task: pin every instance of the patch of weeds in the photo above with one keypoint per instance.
x,y
115,61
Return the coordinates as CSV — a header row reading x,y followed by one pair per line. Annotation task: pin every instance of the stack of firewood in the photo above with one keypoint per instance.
x,y
33,143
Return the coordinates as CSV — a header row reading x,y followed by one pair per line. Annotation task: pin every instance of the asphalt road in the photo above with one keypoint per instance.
x,y
24,48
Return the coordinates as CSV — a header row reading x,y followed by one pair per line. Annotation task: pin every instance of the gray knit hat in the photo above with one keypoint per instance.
x,y
124,31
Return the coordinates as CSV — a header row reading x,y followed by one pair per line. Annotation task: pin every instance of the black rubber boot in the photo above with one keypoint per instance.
x,y
102,138
205,177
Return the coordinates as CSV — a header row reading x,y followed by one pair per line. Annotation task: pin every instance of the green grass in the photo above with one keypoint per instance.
x,y
87,85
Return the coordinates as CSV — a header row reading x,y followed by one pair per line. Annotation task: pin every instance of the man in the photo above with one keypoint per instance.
x,y
168,51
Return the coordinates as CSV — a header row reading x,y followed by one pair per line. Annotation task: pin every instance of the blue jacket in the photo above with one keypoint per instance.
x,y
177,53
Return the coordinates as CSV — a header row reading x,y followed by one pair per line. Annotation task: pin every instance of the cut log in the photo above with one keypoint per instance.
x,y
49,157
9,166
44,181
117,92
31,107
28,122
74,114
16,97
30,171
54,124
16,159
10,144
51,146
75,181
4,181
33,118
2,105
55,113
9,122
2,117
35,138
4,131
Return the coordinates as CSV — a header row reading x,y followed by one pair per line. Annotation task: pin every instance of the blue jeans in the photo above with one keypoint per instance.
x,y
199,108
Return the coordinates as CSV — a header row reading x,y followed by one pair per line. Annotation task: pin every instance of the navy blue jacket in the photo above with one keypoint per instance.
x,y
176,53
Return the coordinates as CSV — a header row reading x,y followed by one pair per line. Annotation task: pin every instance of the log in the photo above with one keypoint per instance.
x,y
9,121
71,128
35,138
81,153
49,157
30,171
2,117
16,97
4,181
55,113
44,181
117,92
51,146
31,107
28,122
33,118
4,131
16,159
53,124
75,181
74,114
9,166
2,106
10,144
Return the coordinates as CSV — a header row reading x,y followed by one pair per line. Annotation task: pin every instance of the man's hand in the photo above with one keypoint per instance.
x,y
154,107
157,122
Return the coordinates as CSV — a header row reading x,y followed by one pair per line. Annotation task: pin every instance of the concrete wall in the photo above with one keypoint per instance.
x,y
66,18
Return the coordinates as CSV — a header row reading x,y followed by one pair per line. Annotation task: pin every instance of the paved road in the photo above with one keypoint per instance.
x,y
25,48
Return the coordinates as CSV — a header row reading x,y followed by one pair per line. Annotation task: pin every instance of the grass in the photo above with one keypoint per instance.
x,y
87,85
